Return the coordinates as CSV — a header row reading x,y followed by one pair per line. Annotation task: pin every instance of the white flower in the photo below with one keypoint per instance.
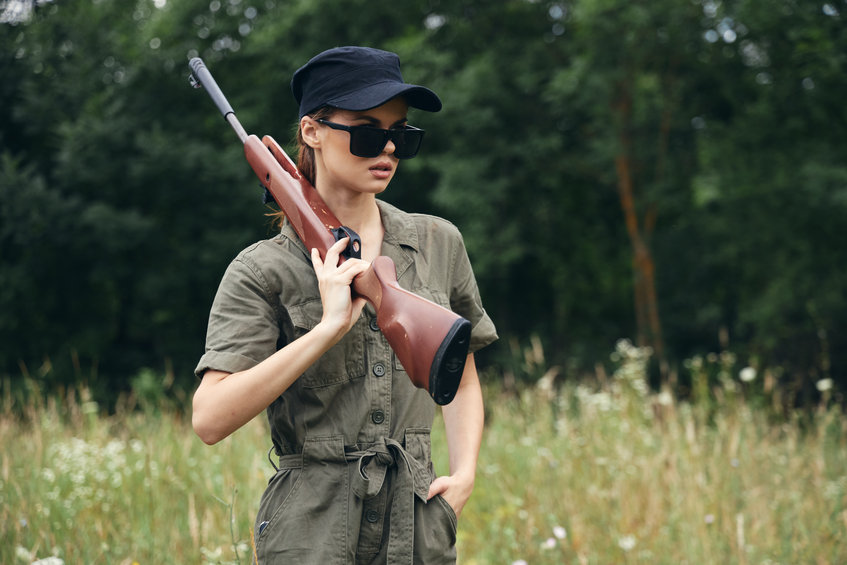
x,y
519,562
824,385
709,518
549,544
747,374
49,561
560,532
627,542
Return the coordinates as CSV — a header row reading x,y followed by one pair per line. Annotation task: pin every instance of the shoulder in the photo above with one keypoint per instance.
x,y
268,259
419,230
256,255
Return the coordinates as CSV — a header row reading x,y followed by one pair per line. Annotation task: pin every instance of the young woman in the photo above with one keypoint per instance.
x,y
354,482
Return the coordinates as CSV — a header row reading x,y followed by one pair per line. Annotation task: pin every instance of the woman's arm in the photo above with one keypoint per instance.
x,y
463,420
226,401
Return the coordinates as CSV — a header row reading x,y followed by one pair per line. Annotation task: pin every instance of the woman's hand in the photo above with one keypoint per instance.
x,y
340,310
454,489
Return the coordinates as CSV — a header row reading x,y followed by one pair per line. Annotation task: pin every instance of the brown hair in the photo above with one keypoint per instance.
x,y
305,154
305,157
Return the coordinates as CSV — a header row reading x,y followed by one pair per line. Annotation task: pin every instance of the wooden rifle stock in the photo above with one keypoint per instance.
x,y
430,341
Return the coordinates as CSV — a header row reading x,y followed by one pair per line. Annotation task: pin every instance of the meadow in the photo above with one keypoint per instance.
x,y
602,471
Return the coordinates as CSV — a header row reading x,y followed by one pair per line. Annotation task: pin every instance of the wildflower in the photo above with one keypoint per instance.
x,y
519,562
824,385
709,518
23,553
747,374
627,542
549,544
49,561
560,532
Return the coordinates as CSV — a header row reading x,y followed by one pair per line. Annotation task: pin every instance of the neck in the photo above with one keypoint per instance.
x,y
356,211
360,213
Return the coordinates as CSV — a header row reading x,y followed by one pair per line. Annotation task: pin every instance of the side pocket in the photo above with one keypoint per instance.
x,y
435,532
275,498
450,514
304,506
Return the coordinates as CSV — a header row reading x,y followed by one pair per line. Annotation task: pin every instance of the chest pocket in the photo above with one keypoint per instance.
x,y
343,362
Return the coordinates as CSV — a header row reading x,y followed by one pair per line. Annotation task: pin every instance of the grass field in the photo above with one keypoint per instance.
x,y
568,474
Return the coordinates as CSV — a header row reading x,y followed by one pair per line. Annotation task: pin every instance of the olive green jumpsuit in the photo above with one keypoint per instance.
x,y
352,433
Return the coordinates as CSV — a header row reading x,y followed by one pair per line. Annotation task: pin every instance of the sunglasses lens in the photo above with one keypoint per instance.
x,y
367,141
406,142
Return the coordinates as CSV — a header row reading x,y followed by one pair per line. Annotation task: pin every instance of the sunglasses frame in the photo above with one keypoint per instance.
x,y
387,134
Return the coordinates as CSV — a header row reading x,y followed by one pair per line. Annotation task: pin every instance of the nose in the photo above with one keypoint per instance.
x,y
389,148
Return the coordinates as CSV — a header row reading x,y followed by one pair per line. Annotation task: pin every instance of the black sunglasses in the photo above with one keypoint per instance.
x,y
368,141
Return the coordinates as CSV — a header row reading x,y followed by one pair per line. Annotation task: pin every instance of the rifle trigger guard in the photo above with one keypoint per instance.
x,y
354,246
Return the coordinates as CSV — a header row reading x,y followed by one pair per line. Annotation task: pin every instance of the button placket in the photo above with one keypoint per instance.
x,y
379,358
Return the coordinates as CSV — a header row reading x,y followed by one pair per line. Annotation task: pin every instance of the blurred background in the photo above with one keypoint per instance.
x,y
669,172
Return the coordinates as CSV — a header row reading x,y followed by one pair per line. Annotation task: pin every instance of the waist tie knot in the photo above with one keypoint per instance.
x,y
412,480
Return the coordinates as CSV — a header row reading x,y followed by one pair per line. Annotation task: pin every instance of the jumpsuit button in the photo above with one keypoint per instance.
x,y
372,516
379,369
378,416
373,324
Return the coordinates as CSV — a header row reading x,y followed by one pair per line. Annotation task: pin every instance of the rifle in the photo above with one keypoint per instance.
x,y
429,340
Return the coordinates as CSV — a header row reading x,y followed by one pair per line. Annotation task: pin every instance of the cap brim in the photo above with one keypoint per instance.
x,y
378,94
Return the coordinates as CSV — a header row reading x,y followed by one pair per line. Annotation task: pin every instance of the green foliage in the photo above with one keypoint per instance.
x,y
123,195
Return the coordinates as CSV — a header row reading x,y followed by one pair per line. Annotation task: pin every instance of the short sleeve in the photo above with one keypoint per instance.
x,y
243,325
465,299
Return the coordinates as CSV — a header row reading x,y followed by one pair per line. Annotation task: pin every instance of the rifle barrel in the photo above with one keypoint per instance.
x,y
201,77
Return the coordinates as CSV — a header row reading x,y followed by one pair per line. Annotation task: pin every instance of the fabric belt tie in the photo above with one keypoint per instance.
x,y
412,480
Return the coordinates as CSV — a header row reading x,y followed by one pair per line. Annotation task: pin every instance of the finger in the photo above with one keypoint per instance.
x,y
337,249
438,486
316,259
356,265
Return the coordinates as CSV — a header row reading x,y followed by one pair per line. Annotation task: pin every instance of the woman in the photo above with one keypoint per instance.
x,y
355,482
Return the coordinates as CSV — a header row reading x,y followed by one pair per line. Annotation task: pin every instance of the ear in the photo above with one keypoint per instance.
x,y
309,131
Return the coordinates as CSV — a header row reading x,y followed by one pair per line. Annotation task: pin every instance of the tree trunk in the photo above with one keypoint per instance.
x,y
646,302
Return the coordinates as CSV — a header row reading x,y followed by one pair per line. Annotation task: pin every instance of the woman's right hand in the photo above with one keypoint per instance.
x,y
340,309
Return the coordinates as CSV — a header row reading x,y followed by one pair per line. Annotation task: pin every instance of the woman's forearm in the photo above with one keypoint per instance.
x,y
463,420
226,401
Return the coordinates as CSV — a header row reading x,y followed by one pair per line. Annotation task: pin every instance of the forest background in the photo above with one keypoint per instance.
x,y
667,171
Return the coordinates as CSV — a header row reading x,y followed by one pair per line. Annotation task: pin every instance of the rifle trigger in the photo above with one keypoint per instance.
x,y
354,246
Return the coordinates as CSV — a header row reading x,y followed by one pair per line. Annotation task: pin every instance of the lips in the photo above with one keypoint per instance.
x,y
382,170
382,166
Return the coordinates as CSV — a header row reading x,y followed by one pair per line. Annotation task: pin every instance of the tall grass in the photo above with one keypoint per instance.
x,y
569,473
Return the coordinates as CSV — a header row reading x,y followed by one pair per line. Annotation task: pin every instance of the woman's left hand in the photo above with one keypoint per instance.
x,y
455,491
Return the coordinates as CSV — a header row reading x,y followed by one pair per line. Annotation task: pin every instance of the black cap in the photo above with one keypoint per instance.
x,y
356,78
